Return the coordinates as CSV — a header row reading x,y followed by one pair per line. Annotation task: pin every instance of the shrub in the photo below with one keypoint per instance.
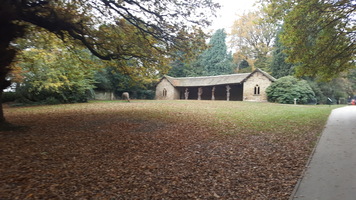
x,y
10,96
25,95
51,101
285,89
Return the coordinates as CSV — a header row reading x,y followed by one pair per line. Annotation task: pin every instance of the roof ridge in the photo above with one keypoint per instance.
x,y
266,74
207,76
213,80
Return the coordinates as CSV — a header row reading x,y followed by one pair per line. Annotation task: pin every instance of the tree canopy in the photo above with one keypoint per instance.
x,y
163,20
319,36
279,67
252,38
209,60
47,68
216,60
138,28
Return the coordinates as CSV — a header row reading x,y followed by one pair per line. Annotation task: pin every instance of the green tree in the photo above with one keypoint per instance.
x,y
338,89
216,60
187,68
180,68
162,21
319,35
279,67
244,67
285,89
352,78
113,79
185,63
243,64
51,70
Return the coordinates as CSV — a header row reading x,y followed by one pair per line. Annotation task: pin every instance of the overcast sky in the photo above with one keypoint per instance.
x,y
229,11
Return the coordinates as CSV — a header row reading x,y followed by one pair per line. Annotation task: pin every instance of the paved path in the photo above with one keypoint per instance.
x,y
331,174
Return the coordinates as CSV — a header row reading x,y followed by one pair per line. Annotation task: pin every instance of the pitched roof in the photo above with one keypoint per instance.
x,y
213,80
271,78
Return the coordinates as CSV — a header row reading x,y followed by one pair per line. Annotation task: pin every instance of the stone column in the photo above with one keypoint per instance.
x,y
200,92
228,92
213,93
186,94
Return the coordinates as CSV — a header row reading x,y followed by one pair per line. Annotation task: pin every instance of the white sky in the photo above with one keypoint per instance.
x,y
229,11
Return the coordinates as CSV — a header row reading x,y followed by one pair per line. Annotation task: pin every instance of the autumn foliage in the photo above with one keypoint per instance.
x,y
157,150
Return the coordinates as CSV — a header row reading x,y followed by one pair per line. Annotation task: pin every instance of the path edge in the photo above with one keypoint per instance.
x,y
302,175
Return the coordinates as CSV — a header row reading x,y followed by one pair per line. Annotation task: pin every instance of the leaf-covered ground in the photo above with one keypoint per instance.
x,y
157,150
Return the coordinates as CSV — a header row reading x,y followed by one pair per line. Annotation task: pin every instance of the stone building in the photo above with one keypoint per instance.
x,y
235,87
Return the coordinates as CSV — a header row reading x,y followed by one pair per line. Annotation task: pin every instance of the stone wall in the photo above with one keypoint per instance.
x,y
102,95
251,85
165,91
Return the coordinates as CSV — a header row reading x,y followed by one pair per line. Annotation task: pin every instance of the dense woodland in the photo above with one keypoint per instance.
x,y
61,51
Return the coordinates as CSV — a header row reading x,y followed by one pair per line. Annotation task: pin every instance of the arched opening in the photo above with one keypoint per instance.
x,y
257,90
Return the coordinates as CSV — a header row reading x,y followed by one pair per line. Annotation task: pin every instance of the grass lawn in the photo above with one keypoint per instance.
x,y
157,150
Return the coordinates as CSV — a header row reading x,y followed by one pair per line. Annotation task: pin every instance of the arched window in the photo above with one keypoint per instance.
x,y
164,93
257,90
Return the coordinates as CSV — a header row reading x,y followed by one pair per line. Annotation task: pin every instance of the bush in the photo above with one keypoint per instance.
x,y
24,95
22,101
338,89
10,96
319,95
51,101
285,89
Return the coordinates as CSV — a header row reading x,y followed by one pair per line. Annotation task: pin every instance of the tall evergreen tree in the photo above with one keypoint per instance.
x,y
179,68
243,64
216,60
185,62
182,67
279,67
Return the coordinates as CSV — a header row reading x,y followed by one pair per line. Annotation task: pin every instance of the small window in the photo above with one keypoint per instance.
x,y
164,92
257,90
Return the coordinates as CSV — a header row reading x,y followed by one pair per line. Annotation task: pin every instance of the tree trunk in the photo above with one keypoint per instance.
x,y
9,31
2,117
4,70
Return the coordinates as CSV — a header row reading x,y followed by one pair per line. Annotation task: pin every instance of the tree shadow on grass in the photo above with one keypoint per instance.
x,y
7,127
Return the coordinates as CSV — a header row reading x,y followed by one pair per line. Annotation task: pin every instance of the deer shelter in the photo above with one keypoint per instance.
x,y
236,87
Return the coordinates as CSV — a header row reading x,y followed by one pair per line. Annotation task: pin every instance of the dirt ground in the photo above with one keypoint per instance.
x,y
92,155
